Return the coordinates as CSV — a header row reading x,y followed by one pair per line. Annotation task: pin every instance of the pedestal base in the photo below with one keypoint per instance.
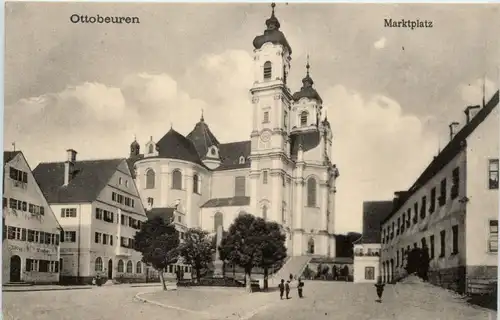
x,y
218,269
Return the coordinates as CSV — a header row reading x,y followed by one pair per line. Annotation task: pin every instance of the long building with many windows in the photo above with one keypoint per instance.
x,y
98,205
30,246
452,208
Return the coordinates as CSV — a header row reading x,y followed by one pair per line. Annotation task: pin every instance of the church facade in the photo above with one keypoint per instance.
x,y
283,173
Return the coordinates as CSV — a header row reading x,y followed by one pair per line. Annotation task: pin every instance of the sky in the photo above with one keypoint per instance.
x,y
389,93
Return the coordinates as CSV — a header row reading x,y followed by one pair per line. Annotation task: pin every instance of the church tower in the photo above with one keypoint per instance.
x,y
271,100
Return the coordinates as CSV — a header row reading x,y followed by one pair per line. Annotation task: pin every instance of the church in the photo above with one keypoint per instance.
x,y
283,173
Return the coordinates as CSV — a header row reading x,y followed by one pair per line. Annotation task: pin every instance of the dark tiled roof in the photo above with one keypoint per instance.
x,y
374,212
174,145
9,155
227,202
166,213
273,35
308,139
202,138
452,149
230,154
89,178
307,90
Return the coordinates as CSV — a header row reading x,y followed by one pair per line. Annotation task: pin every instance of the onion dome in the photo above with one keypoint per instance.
x,y
135,148
202,138
307,90
272,33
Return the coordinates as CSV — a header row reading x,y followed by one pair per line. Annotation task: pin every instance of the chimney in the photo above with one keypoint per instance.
x,y
398,197
69,166
470,112
452,129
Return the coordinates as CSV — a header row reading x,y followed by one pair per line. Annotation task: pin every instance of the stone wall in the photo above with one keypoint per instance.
x,y
449,278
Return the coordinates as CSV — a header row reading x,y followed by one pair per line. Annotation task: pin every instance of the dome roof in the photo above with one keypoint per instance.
x,y
202,138
272,34
134,144
174,145
307,90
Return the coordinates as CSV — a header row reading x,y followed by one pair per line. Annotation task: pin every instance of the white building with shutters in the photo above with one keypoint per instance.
x,y
284,172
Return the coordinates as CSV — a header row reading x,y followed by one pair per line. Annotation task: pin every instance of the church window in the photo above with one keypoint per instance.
x,y
311,192
310,246
242,160
218,221
150,201
239,186
266,117
283,212
264,212
150,179
303,118
120,180
285,120
176,180
151,148
264,177
196,181
267,70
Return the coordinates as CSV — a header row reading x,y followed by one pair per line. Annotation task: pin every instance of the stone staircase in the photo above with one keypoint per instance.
x,y
295,266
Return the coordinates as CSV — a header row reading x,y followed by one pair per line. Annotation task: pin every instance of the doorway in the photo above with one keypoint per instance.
x,y
110,269
15,269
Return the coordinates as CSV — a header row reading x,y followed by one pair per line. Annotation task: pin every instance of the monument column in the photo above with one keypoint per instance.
x,y
218,263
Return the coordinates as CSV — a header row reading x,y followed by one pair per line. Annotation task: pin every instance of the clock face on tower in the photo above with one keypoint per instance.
x,y
265,136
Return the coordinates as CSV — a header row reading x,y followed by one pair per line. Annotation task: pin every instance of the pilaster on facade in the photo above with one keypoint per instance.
x,y
190,221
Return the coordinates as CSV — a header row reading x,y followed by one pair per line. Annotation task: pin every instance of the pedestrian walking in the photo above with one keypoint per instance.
x,y
287,289
281,286
300,286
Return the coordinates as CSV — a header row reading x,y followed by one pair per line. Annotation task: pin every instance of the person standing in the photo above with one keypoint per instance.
x,y
300,286
281,286
287,289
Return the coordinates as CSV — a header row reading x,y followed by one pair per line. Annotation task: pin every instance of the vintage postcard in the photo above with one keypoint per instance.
x,y
250,161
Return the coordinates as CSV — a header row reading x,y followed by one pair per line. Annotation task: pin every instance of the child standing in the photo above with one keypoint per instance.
x,y
282,288
287,289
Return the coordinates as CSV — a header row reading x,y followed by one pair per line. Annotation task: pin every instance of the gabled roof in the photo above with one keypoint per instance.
x,y
202,138
9,155
174,145
227,202
230,154
89,178
452,149
374,212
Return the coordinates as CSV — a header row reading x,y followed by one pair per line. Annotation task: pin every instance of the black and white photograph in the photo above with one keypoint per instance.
x,y
250,161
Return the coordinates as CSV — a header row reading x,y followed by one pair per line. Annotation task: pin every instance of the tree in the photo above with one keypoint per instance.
x,y
197,249
158,242
243,243
273,249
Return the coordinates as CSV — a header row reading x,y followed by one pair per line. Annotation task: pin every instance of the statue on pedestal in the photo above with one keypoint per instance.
x,y
218,263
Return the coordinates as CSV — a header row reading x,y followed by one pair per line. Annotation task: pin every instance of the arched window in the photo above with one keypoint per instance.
x,y
129,267
311,192
120,265
138,267
196,181
218,220
310,246
150,179
303,118
268,70
242,160
264,212
151,148
283,212
98,264
176,180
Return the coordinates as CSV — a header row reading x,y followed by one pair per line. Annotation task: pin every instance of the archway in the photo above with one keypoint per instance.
x,y
15,269
310,246
110,269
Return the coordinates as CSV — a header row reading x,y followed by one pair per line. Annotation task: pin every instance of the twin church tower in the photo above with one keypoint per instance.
x,y
284,173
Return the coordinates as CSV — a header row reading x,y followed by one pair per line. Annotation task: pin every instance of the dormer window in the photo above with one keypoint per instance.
x,y
267,70
303,119
212,151
242,160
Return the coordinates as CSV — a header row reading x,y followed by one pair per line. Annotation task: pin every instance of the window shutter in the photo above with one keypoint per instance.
x,y
62,213
23,234
73,236
25,177
61,236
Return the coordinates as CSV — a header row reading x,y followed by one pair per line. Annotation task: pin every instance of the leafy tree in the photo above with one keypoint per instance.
x,y
158,242
308,273
273,249
243,243
197,249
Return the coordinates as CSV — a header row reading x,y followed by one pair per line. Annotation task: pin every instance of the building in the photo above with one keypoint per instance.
x,y
283,173
367,247
98,205
452,208
30,246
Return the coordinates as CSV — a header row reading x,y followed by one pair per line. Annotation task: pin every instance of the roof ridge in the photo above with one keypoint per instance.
x,y
85,160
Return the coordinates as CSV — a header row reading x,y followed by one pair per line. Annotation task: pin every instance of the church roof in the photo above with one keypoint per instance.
x,y
227,202
374,212
452,149
308,139
202,138
272,34
307,90
174,145
89,178
230,154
